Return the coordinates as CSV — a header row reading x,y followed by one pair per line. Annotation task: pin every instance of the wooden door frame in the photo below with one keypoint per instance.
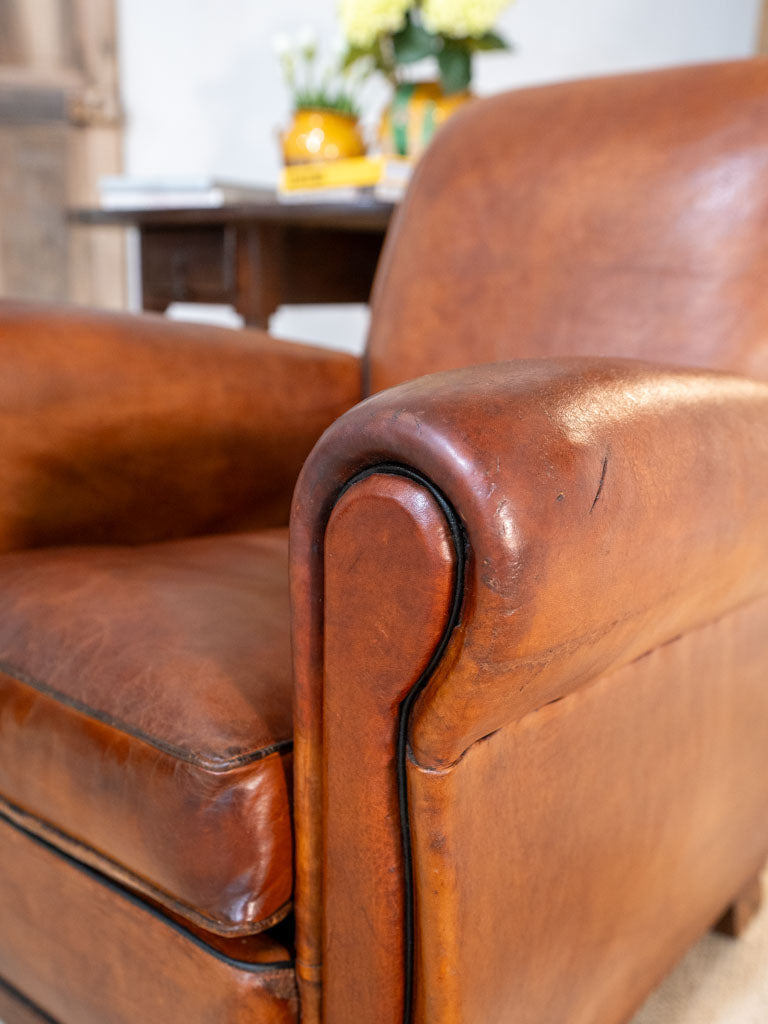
x,y
69,48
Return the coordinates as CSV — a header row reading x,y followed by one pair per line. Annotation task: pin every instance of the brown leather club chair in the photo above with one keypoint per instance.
x,y
529,602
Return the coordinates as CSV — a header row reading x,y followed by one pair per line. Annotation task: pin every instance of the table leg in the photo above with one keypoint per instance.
x,y
258,272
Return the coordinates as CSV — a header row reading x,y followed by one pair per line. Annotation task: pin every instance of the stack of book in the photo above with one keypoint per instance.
x,y
118,192
361,179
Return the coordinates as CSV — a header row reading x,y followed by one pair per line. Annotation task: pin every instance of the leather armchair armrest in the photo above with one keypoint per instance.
x,y
609,505
600,508
127,429
604,508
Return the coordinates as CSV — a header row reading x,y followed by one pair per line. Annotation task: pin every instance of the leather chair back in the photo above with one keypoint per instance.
x,y
581,219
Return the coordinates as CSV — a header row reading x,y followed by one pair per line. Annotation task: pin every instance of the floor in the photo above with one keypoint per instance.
x,y
720,981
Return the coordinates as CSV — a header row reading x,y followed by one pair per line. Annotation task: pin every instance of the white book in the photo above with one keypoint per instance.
x,y
327,195
117,192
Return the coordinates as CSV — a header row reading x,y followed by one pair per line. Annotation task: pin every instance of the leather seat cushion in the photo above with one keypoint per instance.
x,y
146,720
83,951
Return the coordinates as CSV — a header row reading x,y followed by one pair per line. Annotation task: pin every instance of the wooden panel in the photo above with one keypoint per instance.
x,y
193,264
255,265
28,103
264,208
33,197
323,265
762,43
10,33
58,65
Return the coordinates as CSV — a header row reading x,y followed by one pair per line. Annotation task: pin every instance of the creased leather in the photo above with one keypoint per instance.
x,y
609,506
620,216
391,530
85,952
145,717
611,509
571,858
130,429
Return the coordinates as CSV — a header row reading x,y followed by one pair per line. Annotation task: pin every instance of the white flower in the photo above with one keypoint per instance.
x,y
337,48
282,44
307,40
460,18
364,20
307,37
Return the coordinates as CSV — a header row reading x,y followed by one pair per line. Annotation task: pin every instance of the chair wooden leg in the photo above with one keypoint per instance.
x,y
741,911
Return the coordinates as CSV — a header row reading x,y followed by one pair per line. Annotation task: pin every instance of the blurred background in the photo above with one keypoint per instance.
x,y
181,87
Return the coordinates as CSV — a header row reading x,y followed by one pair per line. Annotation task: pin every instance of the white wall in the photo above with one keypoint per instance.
x,y
203,93
573,38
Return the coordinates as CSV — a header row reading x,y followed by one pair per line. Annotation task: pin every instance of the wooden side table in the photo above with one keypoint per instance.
x,y
255,256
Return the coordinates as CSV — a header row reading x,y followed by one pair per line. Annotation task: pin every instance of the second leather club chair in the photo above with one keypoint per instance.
x,y
519,685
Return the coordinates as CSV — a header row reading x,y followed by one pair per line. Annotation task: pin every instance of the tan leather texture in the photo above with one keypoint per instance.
x,y
145,717
584,746
85,952
569,860
127,429
617,216
16,1009
609,506
388,555
576,481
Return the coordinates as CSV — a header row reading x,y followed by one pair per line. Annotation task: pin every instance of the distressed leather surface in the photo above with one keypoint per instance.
x,y
613,512
595,839
391,530
85,952
620,216
129,429
609,507
145,717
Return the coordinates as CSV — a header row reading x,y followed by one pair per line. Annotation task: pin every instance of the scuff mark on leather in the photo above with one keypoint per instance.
x,y
600,484
505,583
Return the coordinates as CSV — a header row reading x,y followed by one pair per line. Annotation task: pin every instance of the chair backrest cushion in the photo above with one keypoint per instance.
x,y
616,216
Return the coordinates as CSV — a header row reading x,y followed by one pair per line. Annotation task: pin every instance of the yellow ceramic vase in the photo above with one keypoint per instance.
x,y
316,135
416,112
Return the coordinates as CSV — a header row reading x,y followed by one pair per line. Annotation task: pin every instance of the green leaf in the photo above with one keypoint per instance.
x,y
354,54
455,63
490,41
414,43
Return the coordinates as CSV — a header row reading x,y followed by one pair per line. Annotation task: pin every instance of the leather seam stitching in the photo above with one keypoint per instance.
x,y
59,840
199,760
276,967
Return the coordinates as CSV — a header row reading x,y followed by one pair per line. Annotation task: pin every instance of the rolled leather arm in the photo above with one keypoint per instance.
x,y
608,506
121,428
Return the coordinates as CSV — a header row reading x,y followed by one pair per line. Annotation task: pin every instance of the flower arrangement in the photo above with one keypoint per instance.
x,y
389,34
312,83
324,124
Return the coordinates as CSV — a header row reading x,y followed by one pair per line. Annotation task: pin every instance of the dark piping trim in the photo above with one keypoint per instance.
x,y
146,908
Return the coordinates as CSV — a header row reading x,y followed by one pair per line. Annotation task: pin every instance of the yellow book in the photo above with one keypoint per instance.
x,y
357,172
